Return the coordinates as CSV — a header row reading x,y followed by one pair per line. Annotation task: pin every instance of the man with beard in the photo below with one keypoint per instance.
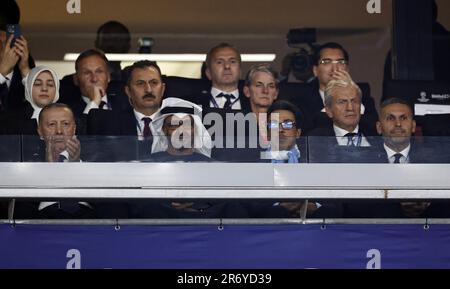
x,y
397,125
145,90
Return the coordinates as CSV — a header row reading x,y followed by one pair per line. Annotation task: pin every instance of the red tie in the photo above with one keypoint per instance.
x,y
147,131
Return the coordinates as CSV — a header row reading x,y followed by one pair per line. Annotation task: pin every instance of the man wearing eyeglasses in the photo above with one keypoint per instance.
x,y
332,63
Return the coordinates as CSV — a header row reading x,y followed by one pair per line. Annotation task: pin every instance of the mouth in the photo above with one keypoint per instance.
x,y
149,96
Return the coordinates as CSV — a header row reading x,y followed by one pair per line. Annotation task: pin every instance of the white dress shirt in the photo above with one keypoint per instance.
x,y
6,79
92,105
140,123
221,100
391,154
342,140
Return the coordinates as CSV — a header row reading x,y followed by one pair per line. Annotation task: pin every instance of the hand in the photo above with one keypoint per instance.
x,y
95,94
294,208
8,59
342,75
73,147
21,48
414,209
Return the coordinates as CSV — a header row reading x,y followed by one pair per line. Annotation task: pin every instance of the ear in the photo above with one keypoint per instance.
x,y
414,126
127,92
299,132
208,73
246,91
315,70
163,89
379,128
39,131
75,80
276,95
328,112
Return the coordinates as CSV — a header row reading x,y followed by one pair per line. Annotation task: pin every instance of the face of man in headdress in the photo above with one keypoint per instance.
x,y
179,131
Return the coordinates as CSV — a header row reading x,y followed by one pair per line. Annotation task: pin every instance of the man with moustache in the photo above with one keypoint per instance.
x,y
145,91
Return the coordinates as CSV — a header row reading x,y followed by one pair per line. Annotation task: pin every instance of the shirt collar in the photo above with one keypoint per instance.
x,y
139,116
390,153
342,132
215,92
88,100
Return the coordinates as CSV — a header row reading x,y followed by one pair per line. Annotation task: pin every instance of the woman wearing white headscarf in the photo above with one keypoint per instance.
x,y
41,88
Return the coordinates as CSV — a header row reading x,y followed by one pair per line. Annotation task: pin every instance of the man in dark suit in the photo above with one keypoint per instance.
x,y
145,90
88,88
330,61
57,129
343,107
223,69
396,125
12,93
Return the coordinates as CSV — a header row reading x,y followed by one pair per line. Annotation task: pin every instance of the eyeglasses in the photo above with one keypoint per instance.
x,y
331,61
287,124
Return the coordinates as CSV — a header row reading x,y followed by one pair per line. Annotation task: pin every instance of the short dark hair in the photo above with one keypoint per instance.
x,y
286,105
9,13
142,64
217,47
397,100
89,53
54,105
113,37
329,45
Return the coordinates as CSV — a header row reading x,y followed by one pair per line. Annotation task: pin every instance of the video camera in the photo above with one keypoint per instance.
x,y
302,61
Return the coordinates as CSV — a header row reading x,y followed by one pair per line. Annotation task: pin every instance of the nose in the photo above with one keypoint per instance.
x,y
148,87
44,87
59,130
265,89
350,106
94,78
398,123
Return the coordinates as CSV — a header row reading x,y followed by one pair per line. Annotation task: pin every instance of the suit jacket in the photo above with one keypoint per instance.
x,y
19,121
15,97
324,148
113,137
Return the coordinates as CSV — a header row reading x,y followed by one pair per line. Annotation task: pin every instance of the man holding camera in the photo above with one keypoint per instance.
x,y
12,44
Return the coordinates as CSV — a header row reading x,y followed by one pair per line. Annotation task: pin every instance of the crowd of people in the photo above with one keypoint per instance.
x,y
338,118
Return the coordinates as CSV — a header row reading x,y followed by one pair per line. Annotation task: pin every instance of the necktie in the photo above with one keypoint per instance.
x,y
397,158
229,98
147,132
350,137
103,104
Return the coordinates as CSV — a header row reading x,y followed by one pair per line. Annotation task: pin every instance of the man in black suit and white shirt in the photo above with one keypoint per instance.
x,y
12,93
396,125
343,107
223,69
145,90
330,61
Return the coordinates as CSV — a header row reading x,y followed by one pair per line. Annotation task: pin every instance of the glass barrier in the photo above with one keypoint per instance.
x,y
233,149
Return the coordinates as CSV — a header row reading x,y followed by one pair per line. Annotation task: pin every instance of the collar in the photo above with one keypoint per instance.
x,y
342,132
139,115
88,100
390,153
215,92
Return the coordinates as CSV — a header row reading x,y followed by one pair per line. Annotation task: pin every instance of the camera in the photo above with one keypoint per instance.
x,y
145,45
302,61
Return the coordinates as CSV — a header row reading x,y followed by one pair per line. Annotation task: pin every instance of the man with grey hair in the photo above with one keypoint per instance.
x,y
343,107
261,87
